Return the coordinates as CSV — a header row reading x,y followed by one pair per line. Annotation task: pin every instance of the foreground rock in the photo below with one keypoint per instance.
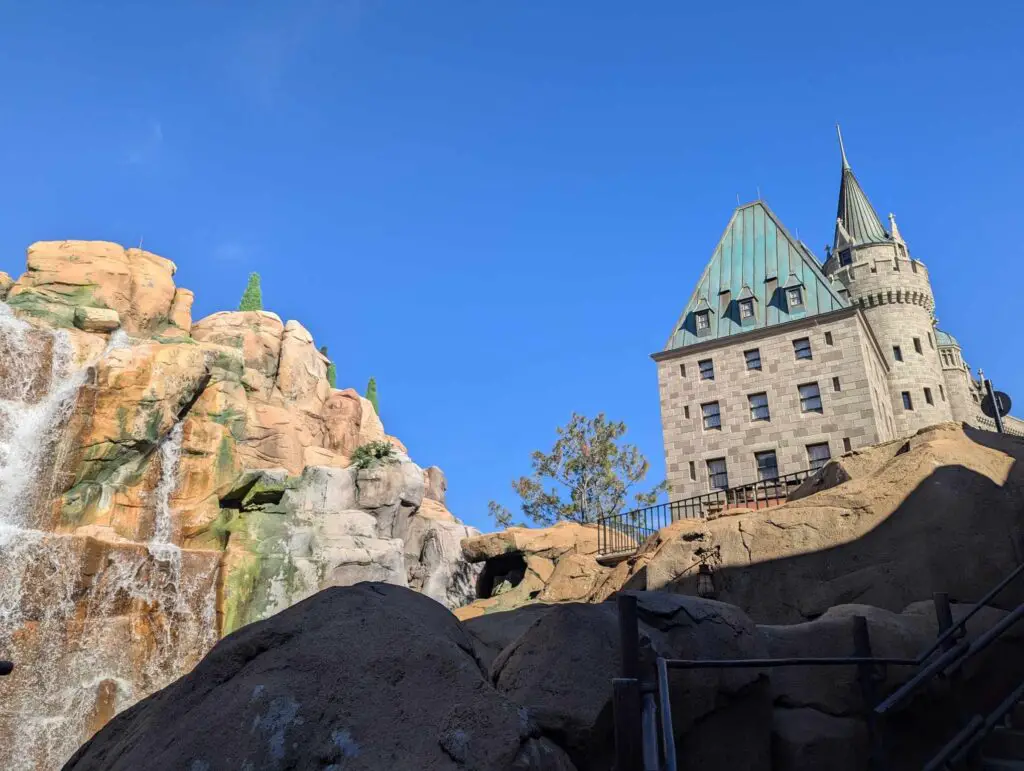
x,y
368,677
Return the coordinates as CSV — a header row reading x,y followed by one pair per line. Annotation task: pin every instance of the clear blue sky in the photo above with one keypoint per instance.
x,y
499,208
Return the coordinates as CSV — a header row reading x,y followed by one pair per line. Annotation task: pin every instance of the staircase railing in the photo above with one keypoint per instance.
x,y
637,726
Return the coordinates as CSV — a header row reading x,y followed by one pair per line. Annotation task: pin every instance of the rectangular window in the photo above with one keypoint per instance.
x,y
931,342
767,465
718,474
759,406
828,338
693,471
802,348
686,411
846,444
917,345
810,397
928,396
942,393
897,354
753,358
794,297
707,369
712,416
682,370
845,257
908,403
835,384
703,320
746,309
818,455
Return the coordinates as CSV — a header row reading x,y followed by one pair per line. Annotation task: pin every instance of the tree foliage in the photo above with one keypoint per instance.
x,y
332,371
252,298
588,474
371,395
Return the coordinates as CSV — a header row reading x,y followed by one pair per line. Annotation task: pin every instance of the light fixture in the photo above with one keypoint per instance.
x,y
705,582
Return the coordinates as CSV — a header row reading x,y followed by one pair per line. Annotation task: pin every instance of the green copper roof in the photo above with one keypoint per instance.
x,y
756,259
855,210
944,338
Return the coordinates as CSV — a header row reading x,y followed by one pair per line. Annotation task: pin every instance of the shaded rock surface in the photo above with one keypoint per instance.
x,y
407,694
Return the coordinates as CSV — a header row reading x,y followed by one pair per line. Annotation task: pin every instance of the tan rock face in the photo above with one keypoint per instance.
x,y
350,421
181,309
64,275
257,334
97,319
548,542
6,282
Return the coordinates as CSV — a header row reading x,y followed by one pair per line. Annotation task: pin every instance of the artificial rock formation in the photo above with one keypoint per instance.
x,y
531,689
880,526
163,483
523,565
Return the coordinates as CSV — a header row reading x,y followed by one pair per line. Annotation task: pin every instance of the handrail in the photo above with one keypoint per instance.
x,y
958,654
828,661
977,729
983,602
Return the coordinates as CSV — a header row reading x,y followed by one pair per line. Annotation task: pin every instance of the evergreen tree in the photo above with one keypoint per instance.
x,y
332,371
252,299
371,395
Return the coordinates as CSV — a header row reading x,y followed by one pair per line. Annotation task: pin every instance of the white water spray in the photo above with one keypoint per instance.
x,y
80,616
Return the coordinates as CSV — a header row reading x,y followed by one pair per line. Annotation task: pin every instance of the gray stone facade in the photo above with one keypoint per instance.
x,y
851,416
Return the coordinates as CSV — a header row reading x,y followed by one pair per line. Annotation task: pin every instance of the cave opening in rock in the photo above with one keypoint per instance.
x,y
500,574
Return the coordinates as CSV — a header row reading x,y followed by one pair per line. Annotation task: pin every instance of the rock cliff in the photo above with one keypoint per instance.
x,y
164,482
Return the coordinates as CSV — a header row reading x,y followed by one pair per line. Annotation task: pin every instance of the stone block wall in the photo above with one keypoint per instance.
x,y
855,412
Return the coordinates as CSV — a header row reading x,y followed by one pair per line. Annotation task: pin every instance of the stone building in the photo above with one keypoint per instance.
x,y
779,362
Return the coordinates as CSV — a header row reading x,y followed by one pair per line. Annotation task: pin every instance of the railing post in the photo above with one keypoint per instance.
x,y
626,690
944,615
628,719
866,676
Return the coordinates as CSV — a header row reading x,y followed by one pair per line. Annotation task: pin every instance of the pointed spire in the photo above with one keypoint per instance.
x,y
842,148
857,222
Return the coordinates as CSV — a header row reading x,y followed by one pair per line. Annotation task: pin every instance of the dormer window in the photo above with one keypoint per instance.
x,y
794,297
702,320
746,309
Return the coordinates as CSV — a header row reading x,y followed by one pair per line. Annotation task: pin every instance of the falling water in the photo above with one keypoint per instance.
x,y
92,625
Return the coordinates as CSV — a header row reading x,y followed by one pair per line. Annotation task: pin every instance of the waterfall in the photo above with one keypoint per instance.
x,y
93,625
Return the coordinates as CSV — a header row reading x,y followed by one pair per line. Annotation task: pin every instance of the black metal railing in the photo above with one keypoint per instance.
x,y
625,532
635,724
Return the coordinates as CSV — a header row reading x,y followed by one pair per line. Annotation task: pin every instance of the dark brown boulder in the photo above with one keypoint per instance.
x,y
370,677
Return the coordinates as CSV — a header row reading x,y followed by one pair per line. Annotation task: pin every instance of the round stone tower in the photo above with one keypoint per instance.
x,y
963,393
892,289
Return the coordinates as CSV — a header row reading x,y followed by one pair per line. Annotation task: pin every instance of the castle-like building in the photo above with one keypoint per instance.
x,y
779,362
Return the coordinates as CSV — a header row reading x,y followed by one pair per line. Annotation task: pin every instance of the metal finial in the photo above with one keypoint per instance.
x,y
842,148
